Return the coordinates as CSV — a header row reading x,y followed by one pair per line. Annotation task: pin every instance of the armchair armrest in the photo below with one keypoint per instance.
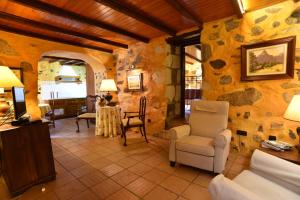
x,y
276,169
179,131
223,139
222,188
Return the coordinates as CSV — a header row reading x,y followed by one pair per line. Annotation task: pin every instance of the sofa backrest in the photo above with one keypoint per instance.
x,y
208,118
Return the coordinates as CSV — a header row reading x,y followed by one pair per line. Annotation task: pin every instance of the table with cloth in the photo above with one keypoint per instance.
x,y
107,120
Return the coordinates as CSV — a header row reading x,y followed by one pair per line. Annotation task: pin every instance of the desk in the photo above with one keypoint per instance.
x,y
107,120
292,156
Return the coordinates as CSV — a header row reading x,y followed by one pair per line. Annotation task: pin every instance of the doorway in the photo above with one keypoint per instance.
x,y
193,76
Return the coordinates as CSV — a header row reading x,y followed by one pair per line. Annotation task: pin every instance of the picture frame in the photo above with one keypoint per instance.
x,y
19,73
269,60
135,81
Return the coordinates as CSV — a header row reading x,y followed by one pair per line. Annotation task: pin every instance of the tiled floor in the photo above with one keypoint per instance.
x,y
90,167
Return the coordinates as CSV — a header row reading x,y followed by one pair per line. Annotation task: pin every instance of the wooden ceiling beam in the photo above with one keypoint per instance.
x,y
54,10
138,14
57,58
193,57
185,11
49,27
237,9
50,38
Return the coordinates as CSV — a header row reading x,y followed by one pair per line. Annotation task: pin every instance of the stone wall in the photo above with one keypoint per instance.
x,y
25,52
258,106
159,66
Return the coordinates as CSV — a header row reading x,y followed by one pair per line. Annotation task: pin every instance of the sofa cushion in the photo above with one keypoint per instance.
x,y
264,187
196,144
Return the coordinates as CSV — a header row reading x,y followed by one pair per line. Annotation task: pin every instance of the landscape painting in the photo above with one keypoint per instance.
x,y
273,59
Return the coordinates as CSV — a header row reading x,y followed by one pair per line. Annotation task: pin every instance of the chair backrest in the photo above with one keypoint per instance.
x,y
208,118
142,108
91,103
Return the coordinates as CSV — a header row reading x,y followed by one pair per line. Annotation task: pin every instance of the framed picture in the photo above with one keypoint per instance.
x,y
135,82
19,73
273,59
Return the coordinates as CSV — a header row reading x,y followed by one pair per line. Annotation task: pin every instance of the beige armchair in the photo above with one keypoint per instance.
x,y
205,142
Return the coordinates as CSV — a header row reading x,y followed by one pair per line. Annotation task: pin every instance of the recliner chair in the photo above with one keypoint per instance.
x,y
205,142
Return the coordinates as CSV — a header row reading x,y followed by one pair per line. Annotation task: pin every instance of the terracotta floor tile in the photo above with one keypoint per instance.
x,y
111,170
156,176
83,170
116,156
181,198
100,163
106,188
92,179
186,172
70,190
86,195
48,196
193,192
160,193
123,195
204,179
154,160
124,177
140,187
140,169
73,164
165,167
90,157
127,162
175,184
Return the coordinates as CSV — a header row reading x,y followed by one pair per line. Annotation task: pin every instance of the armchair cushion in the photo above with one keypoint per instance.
x,y
132,121
196,145
179,131
210,120
223,139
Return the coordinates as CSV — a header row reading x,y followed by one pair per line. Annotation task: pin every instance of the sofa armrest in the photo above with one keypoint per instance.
x,y
179,131
276,169
223,139
222,188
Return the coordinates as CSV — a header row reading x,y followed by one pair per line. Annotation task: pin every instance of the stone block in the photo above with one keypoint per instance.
x,y
170,93
178,93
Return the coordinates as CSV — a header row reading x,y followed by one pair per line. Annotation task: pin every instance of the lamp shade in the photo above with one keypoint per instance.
x,y
1,90
108,85
8,79
293,110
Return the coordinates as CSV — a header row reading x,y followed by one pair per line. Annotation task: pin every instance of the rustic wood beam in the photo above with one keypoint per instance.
x,y
54,10
185,11
57,58
138,14
185,39
237,9
50,38
193,57
57,29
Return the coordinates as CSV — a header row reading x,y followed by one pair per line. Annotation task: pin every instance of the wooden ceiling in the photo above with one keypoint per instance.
x,y
107,24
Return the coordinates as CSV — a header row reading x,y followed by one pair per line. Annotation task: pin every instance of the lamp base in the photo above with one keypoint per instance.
x,y
108,97
4,107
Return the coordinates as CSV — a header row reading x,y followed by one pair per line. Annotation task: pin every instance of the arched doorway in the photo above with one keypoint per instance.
x,y
66,78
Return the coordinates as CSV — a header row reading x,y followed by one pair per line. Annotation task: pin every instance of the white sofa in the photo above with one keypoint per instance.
x,y
269,178
205,142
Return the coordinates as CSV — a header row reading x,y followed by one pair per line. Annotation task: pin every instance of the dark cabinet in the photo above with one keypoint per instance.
x,y
26,156
68,106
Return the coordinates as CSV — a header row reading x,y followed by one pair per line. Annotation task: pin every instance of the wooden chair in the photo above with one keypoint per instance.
x,y
135,119
88,111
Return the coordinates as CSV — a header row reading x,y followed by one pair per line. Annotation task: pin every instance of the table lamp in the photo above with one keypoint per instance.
x,y
7,80
108,85
293,113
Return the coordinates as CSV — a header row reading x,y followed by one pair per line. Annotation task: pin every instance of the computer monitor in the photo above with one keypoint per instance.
x,y
19,101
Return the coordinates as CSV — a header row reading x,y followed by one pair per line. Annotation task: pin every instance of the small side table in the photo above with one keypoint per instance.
x,y
292,156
